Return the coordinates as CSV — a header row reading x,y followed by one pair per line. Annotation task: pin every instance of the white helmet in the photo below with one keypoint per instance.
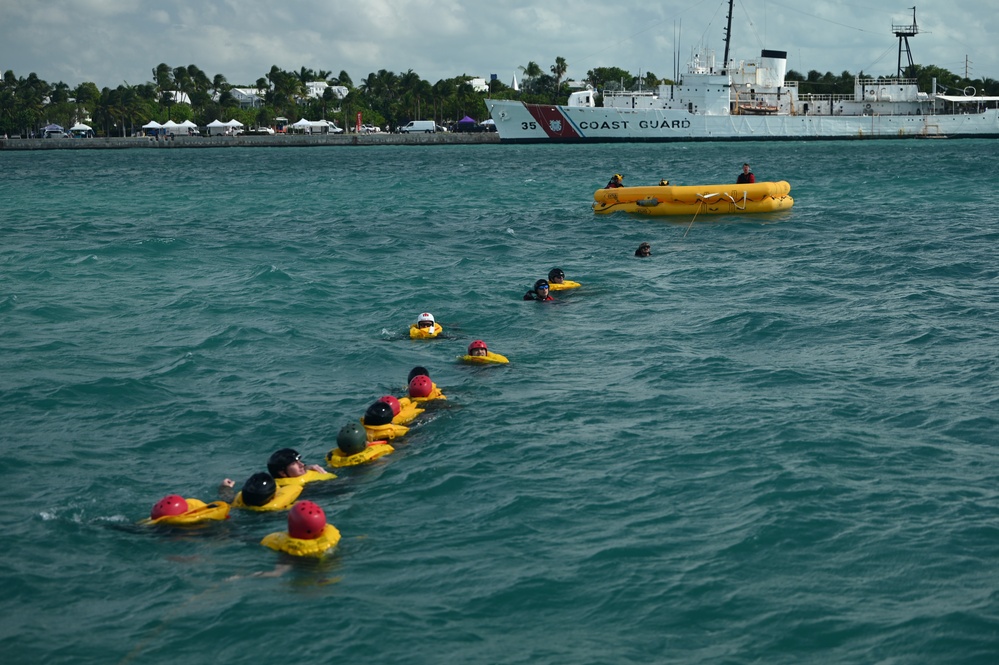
x,y
426,316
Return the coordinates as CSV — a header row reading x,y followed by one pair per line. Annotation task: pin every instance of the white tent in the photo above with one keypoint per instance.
x,y
152,124
302,124
217,127
234,123
170,124
188,124
80,127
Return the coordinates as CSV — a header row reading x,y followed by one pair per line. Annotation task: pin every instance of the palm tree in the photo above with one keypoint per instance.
x,y
559,69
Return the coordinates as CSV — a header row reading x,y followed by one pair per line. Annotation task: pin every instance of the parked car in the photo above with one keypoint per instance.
x,y
260,131
415,126
370,129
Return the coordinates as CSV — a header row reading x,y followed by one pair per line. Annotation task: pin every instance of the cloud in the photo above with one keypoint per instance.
x,y
113,41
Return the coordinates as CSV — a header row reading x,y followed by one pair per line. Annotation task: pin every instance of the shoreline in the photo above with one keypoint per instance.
x,y
242,141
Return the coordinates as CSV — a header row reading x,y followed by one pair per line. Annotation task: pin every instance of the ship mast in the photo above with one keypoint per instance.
x,y
903,32
728,37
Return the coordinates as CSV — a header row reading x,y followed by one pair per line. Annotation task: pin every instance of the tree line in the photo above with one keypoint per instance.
x,y
384,98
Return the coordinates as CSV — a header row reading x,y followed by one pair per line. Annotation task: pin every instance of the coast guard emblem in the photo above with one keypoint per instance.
x,y
555,125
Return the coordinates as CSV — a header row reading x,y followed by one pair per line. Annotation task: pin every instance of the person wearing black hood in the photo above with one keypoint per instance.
x,y
540,292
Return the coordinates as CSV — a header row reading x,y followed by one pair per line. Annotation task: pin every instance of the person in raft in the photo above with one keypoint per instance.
x,y
664,183
615,181
645,249
539,293
746,177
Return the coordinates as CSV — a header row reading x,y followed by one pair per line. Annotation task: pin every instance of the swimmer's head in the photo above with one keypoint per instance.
x,y
421,386
377,414
172,504
541,284
417,371
478,348
306,521
556,276
425,320
392,402
258,489
279,462
351,439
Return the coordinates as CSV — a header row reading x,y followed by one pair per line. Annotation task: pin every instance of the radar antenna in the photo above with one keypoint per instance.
x,y
903,32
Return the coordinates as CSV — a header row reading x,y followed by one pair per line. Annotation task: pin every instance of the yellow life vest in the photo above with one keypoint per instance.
x,y
382,432
566,284
408,411
310,476
197,511
435,393
336,458
282,542
282,499
416,332
490,357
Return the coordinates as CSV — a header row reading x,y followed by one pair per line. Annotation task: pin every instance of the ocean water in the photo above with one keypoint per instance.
x,y
774,441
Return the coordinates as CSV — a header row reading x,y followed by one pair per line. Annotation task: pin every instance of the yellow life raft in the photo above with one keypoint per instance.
x,y
489,358
310,476
282,542
695,199
197,511
376,449
564,285
383,432
415,332
284,497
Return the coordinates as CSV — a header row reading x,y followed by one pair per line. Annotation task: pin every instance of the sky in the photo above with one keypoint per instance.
x,y
112,42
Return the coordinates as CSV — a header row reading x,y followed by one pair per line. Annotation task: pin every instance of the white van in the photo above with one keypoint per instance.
x,y
427,126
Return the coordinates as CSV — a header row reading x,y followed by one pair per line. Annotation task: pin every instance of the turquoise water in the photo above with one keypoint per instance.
x,y
772,442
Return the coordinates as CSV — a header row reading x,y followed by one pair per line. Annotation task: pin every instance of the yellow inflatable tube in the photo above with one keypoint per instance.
x,y
283,498
415,332
335,458
489,358
563,285
282,542
695,199
197,511
309,476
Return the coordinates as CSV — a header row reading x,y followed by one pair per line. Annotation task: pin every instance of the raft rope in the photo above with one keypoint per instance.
x,y
699,204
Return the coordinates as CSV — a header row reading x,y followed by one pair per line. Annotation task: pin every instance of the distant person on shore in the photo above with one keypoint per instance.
x,y
645,249
615,181
746,176
664,183
539,293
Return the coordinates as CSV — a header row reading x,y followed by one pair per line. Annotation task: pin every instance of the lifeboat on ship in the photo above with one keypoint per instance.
x,y
695,199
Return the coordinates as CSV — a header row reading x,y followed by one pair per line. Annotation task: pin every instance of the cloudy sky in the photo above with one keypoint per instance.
x,y
111,42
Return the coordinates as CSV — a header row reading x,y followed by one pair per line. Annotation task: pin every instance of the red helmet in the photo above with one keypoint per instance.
x,y
421,386
306,521
393,402
477,344
173,504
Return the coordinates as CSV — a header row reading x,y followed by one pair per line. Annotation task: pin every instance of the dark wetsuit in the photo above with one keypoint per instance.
x,y
614,184
532,295
745,178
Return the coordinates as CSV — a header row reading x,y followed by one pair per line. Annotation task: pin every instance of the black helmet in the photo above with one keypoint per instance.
x,y
416,371
280,460
556,273
258,489
378,413
351,439
541,282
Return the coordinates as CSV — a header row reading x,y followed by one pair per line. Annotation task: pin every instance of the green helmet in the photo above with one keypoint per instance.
x,y
351,439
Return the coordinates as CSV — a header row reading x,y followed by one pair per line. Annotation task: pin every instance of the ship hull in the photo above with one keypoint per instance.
x,y
517,122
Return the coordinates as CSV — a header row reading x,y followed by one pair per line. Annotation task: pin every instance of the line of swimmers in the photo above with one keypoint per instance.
x,y
307,533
